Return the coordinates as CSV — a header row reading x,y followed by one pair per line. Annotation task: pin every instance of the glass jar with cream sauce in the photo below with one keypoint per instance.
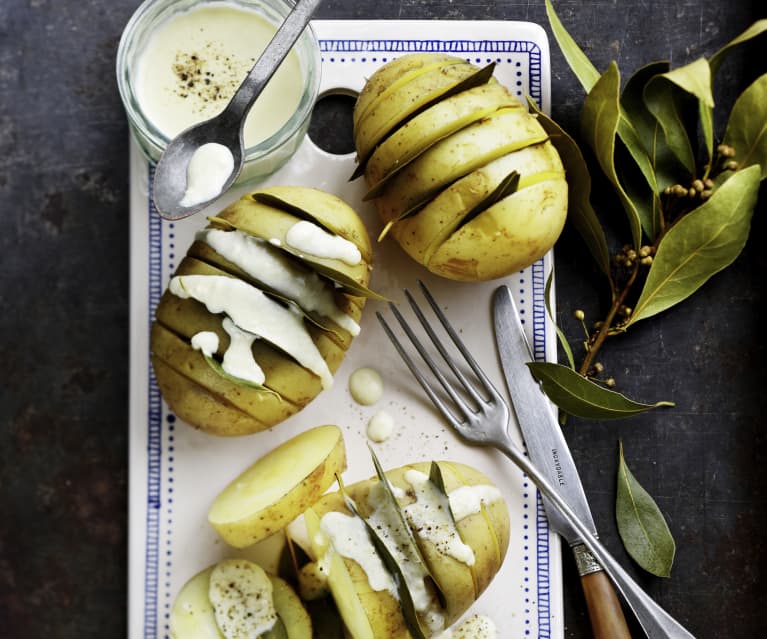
x,y
179,62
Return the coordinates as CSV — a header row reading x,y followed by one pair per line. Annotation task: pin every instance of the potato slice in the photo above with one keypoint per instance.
x,y
395,107
506,237
422,234
392,76
290,610
507,130
344,579
193,615
427,128
278,487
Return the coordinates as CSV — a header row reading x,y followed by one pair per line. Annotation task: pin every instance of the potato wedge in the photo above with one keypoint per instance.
x,y
278,487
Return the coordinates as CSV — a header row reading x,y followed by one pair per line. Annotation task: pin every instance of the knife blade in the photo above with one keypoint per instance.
x,y
550,453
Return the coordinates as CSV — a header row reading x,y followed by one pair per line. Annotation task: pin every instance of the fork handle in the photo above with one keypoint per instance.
x,y
605,611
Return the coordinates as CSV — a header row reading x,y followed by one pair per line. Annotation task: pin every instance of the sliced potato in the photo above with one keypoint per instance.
x,y
487,533
194,616
427,128
392,76
438,162
422,234
278,487
394,108
507,130
296,363
506,237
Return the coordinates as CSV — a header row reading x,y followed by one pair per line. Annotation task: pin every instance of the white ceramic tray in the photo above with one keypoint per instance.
x,y
176,471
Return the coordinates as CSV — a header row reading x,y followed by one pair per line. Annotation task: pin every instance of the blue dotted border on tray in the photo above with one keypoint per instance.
x,y
152,570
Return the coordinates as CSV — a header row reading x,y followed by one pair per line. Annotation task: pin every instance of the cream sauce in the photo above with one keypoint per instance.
x,y
380,427
259,259
366,386
468,500
238,358
431,516
208,170
349,538
206,342
312,240
241,595
195,60
254,312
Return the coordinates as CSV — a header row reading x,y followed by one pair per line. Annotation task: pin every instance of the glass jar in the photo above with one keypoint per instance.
x,y
262,158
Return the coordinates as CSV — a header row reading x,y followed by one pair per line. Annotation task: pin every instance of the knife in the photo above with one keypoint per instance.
x,y
549,452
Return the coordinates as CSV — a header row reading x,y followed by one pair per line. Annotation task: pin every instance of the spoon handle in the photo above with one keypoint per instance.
x,y
275,52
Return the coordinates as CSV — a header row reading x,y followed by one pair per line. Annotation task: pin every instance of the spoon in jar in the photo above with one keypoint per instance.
x,y
212,152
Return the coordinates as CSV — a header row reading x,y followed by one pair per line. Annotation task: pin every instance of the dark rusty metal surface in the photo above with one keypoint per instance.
x,y
64,292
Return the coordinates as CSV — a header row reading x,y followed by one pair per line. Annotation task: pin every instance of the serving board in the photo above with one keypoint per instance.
x,y
176,471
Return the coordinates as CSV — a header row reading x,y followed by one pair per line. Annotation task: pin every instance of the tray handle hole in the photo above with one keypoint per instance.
x,y
330,127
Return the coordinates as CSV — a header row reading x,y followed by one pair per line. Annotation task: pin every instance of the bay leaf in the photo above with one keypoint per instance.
x,y
757,28
580,211
409,611
641,525
702,243
219,369
667,96
600,117
668,170
746,130
581,66
507,186
579,396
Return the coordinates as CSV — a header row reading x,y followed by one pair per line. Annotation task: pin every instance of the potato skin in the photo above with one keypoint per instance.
x,y
220,406
486,532
434,189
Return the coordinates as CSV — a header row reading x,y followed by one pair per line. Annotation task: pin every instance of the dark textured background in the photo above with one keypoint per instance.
x,y
64,259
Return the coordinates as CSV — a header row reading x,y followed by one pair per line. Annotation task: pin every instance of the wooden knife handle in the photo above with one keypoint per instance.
x,y
605,611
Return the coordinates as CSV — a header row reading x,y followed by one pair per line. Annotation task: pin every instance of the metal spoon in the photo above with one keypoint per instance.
x,y
170,178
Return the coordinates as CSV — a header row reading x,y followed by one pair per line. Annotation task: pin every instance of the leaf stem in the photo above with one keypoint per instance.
x,y
596,341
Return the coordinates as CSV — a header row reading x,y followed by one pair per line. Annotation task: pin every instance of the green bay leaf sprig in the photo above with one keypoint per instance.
x,y
688,193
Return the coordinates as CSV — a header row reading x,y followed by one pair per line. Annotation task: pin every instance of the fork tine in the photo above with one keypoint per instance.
x,y
489,387
441,348
427,387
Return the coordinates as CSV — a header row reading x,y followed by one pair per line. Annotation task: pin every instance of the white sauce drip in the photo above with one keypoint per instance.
x,y
380,427
349,538
310,239
431,517
468,500
205,342
385,520
474,627
241,595
208,170
366,386
238,358
254,312
261,261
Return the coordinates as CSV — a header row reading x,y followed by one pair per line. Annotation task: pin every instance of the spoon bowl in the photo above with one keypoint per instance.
x,y
171,179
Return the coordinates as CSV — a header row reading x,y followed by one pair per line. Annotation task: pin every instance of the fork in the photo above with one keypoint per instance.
x,y
485,423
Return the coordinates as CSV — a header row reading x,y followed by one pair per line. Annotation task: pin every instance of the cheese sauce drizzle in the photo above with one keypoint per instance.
x,y
254,312
312,240
262,261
